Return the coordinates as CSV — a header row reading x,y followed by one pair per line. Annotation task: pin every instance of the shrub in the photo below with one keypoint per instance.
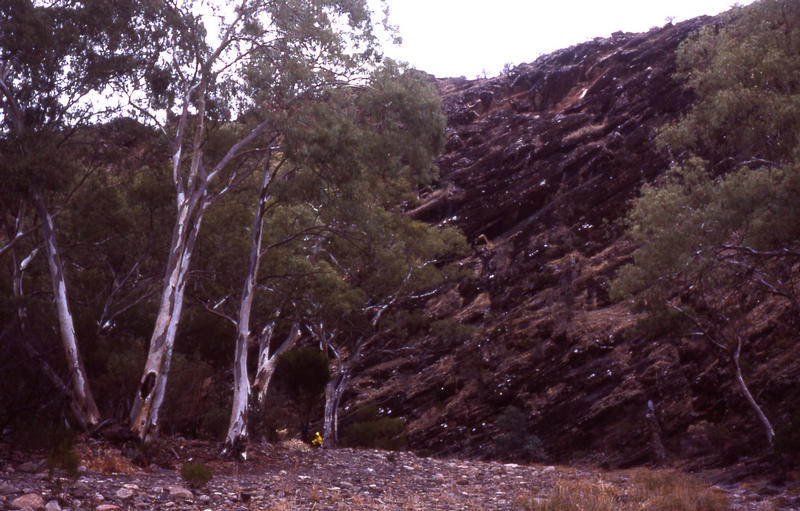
x,y
196,474
62,453
513,438
261,423
383,433
451,329
190,395
214,423
303,373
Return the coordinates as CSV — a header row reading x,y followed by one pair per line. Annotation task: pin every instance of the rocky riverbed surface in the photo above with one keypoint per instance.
x,y
293,476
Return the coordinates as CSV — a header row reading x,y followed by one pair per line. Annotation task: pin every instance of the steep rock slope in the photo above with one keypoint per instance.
x,y
539,165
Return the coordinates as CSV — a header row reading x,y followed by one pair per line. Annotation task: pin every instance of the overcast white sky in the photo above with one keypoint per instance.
x,y
466,37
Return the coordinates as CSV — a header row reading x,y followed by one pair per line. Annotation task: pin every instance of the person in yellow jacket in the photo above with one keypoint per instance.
x,y
317,440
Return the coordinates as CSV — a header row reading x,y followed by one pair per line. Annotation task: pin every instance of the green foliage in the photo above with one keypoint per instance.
x,y
196,474
746,74
261,421
715,233
451,329
336,242
191,376
59,442
383,433
513,439
659,322
303,372
214,423
748,110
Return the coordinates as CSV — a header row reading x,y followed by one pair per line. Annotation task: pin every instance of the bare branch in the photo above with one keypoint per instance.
x,y
764,253
217,313
702,328
234,151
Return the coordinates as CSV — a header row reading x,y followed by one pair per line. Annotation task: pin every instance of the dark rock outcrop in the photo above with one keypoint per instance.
x,y
540,165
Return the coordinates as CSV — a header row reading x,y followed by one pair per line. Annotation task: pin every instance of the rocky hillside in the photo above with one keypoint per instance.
x,y
539,166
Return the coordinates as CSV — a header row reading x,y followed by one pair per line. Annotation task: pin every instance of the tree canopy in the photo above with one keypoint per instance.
x,y
719,233
123,123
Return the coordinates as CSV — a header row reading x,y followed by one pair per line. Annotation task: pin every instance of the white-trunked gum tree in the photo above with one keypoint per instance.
x,y
56,58
221,93
347,160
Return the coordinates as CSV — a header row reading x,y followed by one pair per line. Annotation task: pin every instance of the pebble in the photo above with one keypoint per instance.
x,y
29,467
80,488
337,477
179,492
124,493
30,500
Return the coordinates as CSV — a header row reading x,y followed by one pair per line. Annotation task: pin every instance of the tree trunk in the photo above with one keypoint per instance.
x,y
770,432
236,438
152,386
81,393
655,432
47,369
267,363
337,399
333,396
327,424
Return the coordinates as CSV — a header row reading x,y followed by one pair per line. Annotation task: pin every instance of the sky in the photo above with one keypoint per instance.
x,y
469,37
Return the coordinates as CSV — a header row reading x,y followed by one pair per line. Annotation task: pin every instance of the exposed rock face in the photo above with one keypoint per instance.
x,y
538,166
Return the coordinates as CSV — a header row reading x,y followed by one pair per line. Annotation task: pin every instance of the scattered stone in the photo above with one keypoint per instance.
x,y
80,489
107,507
549,469
30,500
6,488
124,493
29,467
439,478
179,492
53,505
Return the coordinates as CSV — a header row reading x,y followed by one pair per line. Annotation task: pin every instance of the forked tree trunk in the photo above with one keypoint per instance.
x,y
81,393
236,437
152,386
333,396
192,201
268,362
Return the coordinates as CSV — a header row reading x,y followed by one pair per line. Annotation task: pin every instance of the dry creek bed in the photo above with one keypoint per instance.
x,y
292,476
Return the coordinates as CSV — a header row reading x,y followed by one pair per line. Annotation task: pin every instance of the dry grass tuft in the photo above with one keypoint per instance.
x,y
650,490
106,461
578,496
673,491
295,444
